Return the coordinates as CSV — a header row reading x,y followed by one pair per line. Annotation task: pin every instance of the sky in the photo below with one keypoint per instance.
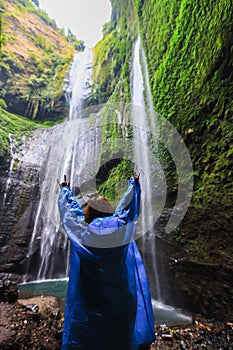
x,y
84,18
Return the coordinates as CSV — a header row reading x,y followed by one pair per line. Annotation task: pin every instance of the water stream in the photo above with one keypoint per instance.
x,y
80,79
153,182
8,181
143,159
163,314
61,147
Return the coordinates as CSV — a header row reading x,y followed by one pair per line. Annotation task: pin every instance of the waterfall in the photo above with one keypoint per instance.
x,y
8,181
60,148
153,182
79,82
146,164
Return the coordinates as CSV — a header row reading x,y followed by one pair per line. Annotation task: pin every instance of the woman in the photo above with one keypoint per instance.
x,y
108,303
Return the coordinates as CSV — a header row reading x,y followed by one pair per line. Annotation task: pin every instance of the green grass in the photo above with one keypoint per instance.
x,y
16,126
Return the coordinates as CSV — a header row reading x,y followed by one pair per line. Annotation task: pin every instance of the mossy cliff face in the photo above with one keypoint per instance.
x,y
111,87
189,54
19,195
35,57
113,54
188,47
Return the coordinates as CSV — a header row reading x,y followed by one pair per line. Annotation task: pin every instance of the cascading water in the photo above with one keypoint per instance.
x,y
8,181
79,82
61,151
144,158
152,180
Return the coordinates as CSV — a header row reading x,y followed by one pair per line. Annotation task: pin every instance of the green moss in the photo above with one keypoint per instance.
x,y
16,126
189,54
112,56
114,187
112,71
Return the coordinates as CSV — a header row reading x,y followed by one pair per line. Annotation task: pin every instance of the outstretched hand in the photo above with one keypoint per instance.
x,y
64,182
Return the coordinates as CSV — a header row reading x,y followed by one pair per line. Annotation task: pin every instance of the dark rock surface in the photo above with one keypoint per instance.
x,y
8,291
19,196
207,287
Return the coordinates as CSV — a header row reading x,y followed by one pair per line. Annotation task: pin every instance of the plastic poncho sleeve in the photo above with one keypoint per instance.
x,y
67,201
129,206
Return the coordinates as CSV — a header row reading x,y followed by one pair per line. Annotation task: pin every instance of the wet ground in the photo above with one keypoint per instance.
x,y
34,323
203,334
37,323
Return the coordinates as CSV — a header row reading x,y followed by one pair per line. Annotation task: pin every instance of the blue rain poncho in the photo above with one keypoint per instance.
x,y
108,304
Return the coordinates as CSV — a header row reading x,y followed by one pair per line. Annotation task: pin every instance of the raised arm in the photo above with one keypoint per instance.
x,y
129,207
67,202
72,215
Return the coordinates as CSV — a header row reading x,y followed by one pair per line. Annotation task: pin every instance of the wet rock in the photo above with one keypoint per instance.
x,y
8,291
56,313
167,336
32,307
17,207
